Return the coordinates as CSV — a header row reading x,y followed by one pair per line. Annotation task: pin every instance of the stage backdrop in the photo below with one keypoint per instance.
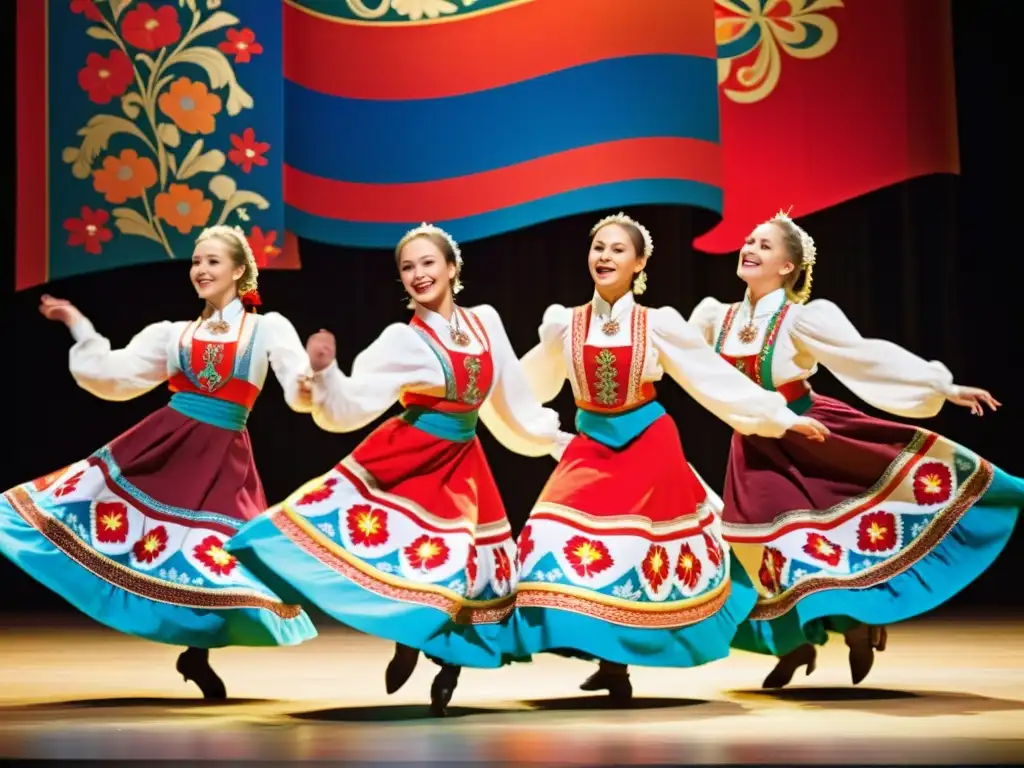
x,y
140,123
491,115
824,100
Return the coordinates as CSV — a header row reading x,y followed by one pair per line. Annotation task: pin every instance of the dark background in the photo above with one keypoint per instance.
x,y
933,264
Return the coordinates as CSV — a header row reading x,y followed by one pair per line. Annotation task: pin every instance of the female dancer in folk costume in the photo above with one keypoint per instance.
x,y
406,538
881,523
621,559
134,534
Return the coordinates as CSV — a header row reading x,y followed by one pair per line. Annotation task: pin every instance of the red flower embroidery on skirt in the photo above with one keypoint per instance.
x,y
111,522
656,566
502,566
321,493
933,483
212,554
587,556
151,546
69,485
367,525
770,574
524,547
427,552
688,567
876,531
820,548
714,550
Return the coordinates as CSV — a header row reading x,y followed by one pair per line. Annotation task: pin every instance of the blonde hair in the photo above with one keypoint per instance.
x,y
445,243
800,247
241,253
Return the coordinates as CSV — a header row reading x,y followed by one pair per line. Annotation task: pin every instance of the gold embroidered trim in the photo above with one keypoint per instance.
x,y
639,355
644,615
580,328
137,583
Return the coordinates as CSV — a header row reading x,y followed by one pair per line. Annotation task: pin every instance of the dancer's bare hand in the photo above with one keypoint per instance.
x,y
60,310
975,399
811,429
321,349
305,392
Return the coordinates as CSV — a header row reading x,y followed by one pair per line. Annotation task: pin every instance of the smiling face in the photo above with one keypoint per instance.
x,y
214,273
615,258
426,272
765,260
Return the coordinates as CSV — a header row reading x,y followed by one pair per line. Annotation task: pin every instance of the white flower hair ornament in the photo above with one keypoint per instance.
x,y
810,254
430,229
248,284
640,281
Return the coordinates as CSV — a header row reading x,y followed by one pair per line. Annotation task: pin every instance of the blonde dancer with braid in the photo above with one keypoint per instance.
x,y
880,523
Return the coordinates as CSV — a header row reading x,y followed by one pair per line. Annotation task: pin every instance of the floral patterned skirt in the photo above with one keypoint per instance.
x,y
622,559
404,539
134,537
879,524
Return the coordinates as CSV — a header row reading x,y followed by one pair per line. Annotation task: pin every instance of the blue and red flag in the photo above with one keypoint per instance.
x,y
826,100
140,123
489,115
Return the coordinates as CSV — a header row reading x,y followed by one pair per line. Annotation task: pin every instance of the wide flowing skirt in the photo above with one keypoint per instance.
x,y
405,539
622,559
881,523
133,536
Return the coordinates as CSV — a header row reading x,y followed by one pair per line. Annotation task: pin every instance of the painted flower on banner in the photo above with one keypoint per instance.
x,y
413,10
111,522
753,35
587,556
263,246
167,178
89,230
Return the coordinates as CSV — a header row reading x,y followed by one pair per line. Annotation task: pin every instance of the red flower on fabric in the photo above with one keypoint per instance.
x,y
876,531
714,550
770,574
524,547
111,522
933,483
151,546
87,8
321,493
211,553
427,552
587,556
656,566
241,43
367,526
151,28
246,151
688,567
471,568
820,548
263,248
44,482
70,484
105,78
502,566
89,230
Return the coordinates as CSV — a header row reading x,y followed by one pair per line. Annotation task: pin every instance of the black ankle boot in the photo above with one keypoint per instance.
x,y
401,667
613,678
442,688
194,665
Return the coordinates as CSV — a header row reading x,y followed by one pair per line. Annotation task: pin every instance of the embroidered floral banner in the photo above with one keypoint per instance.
x,y
140,123
489,115
825,100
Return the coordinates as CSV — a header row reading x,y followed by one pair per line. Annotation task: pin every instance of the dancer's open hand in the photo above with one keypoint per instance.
x,y
975,399
811,429
61,310
321,349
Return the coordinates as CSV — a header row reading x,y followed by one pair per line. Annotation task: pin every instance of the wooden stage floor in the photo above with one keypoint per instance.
x,y
947,691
